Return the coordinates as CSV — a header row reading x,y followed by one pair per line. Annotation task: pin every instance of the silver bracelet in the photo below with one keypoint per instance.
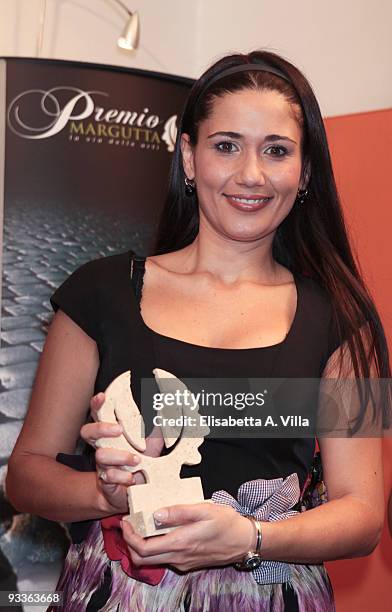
x,y
259,534
252,559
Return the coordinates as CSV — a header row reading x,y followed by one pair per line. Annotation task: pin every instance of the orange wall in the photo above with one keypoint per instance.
x,y
361,147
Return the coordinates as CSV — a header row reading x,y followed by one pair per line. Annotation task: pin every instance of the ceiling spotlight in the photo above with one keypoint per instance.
x,y
130,36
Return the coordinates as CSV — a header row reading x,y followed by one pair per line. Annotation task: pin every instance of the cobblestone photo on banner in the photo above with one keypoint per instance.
x,y
42,245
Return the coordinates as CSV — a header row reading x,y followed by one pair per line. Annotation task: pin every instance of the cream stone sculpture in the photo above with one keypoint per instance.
x,y
163,486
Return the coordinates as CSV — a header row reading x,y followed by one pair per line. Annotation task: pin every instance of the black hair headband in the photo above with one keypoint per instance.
x,y
260,66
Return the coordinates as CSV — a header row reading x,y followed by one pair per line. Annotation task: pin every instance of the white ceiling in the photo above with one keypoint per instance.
x,y
343,46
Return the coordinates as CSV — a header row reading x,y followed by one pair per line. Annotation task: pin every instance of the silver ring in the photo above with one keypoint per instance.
x,y
102,475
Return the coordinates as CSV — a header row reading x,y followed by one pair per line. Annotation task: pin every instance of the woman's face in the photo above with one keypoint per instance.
x,y
246,164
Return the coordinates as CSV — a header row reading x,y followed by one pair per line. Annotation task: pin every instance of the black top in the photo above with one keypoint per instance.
x,y
100,297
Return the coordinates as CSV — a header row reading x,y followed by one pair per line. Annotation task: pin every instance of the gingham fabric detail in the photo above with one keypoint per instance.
x,y
266,500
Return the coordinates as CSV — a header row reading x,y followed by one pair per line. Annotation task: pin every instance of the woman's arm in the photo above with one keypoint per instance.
x,y
350,523
64,384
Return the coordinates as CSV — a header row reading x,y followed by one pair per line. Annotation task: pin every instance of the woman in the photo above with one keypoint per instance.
x,y
252,251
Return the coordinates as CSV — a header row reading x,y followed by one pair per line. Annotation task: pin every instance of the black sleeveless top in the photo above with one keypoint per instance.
x,y
103,300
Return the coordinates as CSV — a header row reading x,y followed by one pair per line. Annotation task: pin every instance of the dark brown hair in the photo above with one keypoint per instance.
x,y
312,239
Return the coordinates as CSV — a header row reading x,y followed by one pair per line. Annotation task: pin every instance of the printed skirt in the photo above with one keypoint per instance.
x,y
211,590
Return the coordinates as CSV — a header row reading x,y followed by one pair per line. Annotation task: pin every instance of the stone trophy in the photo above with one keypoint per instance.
x,y
163,486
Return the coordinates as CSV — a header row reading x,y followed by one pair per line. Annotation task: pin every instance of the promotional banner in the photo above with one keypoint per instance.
x,y
85,152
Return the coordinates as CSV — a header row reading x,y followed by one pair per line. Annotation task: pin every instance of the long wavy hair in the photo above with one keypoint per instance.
x,y
313,238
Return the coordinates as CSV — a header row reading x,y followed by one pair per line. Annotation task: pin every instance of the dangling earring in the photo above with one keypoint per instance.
x,y
190,187
301,196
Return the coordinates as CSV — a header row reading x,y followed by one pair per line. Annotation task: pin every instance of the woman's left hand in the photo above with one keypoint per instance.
x,y
206,535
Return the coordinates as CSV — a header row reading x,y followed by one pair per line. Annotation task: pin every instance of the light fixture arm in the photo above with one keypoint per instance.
x,y
124,7
129,40
41,29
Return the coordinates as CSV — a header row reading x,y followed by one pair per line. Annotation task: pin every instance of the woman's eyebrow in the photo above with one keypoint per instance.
x,y
269,138
274,137
229,134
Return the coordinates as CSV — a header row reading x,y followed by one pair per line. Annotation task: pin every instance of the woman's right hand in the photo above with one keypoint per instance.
x,y
112,478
